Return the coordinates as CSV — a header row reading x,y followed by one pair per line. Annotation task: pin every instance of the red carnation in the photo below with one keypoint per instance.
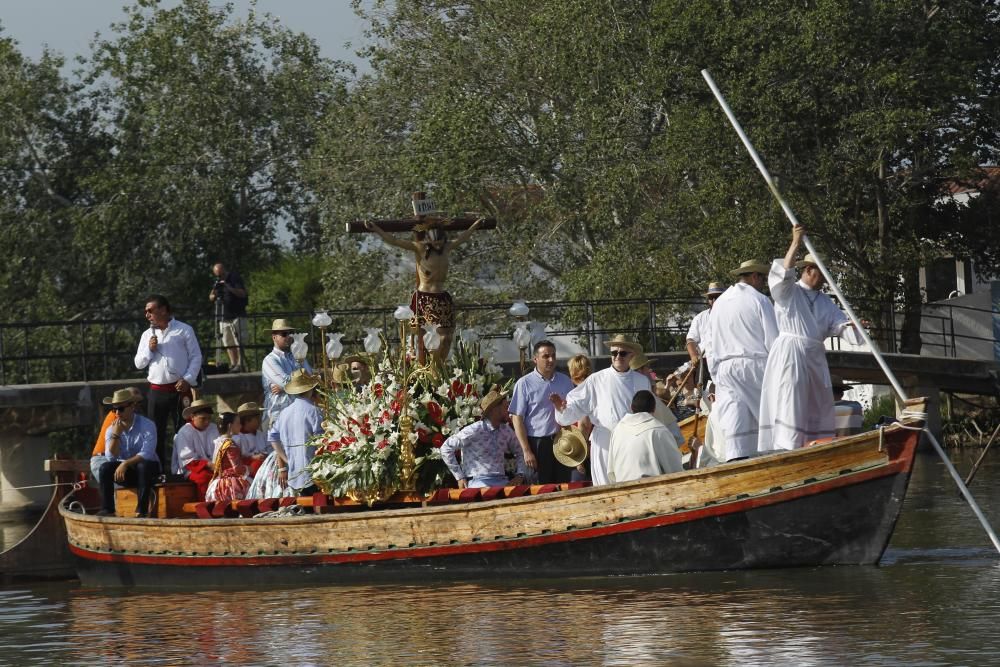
x,y
423,436
383,443
437,440
378,390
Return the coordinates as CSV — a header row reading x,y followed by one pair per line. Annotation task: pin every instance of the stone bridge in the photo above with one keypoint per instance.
x,y
29,413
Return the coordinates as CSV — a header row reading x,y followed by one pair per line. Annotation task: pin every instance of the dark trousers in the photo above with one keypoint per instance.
x,y
550,471
164,407
142,475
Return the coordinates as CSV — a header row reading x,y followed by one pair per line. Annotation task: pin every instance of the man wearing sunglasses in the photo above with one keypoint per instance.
x,y
605,397
743,328
130,449
276,371
171,355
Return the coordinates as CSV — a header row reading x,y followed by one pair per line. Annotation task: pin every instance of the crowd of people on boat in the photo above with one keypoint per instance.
x,y
770,390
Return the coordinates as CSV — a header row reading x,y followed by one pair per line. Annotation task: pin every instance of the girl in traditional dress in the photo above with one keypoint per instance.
x,y
230,481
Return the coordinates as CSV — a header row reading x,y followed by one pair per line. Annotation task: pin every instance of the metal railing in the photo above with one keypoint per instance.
x,y
104,349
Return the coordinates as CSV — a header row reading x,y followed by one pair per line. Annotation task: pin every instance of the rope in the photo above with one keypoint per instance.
x,y
39,486
288,510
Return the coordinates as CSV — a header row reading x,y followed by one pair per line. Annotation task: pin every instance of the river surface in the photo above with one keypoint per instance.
x,y
934,600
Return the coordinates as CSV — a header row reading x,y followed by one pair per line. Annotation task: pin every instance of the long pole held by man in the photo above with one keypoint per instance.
x,y
897,387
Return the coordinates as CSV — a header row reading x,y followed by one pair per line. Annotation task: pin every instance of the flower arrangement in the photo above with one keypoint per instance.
x,y
359,452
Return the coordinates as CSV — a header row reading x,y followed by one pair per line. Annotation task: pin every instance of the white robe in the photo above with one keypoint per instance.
x,y
641,446
605,397
700,331
191,444
796,404
743,328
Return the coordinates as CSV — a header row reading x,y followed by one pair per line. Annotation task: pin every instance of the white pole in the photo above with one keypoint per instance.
x,y
897,387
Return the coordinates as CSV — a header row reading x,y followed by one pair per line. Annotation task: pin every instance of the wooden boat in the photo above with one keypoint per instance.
x,y
831,503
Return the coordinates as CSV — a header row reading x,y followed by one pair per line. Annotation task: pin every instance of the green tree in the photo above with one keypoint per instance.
x,y
211,118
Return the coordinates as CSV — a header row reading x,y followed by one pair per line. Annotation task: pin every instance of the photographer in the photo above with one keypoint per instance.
x,y
230,296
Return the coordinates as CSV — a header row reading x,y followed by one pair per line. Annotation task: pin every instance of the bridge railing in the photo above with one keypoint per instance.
x,y
104,349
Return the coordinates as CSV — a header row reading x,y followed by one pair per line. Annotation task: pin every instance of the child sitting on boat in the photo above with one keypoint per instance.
x,y
230,480
194,445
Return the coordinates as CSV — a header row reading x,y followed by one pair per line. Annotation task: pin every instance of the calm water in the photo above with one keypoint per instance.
x,y
934,601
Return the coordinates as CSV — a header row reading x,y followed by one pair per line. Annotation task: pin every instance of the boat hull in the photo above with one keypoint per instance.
x,y
840,526
831,504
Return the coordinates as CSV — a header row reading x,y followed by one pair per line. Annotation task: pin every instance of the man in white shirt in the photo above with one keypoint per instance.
x,y
170,352
743,328
698,342
641,446
605,397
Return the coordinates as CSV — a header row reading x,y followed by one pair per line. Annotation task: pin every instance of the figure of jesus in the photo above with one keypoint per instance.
x,y
432,253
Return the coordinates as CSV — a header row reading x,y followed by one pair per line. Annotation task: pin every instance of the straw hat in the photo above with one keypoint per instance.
x,y
300,383
282,324
621,341
751,266
250,409
714,289
348,360
199,405
638,361
570,448
492,398
121,397
808,260
342,374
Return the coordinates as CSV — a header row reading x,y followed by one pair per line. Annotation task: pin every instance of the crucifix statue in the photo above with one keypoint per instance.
x,y
431,249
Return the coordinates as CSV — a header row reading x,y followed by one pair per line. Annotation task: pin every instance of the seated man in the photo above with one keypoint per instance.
x,y
252,439
130,448
483,445
641,446
97,457
848,416
194,445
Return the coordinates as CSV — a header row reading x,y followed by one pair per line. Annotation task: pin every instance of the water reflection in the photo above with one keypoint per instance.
x,y
934,603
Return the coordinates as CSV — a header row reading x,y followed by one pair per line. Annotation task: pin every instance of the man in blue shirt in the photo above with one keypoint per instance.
x,y
130,448
533,417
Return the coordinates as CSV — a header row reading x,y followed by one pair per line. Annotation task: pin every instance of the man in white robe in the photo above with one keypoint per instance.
x,y
796,404
743,328
641,446
605,397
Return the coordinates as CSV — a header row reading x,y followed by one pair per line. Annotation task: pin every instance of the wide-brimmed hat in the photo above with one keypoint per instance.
x,y
199,405
342,374
248,409
300,383
570,448
492,398
751,266
808,260
714,289
121,397
621,341
638,360
355,357
281,324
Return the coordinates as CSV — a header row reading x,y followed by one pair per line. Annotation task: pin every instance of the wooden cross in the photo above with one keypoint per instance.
x,y
431,270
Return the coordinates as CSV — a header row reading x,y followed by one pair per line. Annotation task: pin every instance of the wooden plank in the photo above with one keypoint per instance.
x,y
67,465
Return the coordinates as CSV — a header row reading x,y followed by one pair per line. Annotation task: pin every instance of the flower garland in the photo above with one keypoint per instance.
x,y
358,454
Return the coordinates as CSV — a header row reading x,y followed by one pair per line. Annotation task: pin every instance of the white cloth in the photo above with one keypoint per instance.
x,y
641,446
712,451
667,417
177,356
796,399
743,329
191,444
700,331
605,397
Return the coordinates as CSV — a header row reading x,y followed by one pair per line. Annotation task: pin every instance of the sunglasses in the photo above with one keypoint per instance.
x,y
120,408
620,353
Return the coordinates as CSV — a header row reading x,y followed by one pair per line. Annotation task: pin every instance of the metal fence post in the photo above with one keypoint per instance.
x,y
652,325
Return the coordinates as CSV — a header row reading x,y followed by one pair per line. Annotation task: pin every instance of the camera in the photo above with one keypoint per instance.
x,y
219,287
